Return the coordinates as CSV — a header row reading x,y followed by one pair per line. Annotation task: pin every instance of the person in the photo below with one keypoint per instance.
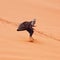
x,y
28,26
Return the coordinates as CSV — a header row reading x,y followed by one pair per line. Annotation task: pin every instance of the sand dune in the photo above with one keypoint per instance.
x,y
14,45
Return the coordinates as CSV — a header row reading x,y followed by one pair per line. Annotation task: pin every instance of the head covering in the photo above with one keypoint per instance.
x,y
33,22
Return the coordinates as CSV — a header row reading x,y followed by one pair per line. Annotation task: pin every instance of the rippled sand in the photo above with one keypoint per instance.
x,y
15,45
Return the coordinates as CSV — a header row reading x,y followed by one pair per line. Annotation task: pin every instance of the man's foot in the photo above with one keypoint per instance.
x,y
31,39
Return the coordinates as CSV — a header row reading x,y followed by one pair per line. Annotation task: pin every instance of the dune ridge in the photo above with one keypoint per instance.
x,y
15,45
40,32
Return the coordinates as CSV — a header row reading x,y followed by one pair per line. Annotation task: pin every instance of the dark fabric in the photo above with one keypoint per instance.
x,y
26,26
30,30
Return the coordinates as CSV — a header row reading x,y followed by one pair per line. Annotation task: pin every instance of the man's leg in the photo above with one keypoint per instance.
x,y
31,33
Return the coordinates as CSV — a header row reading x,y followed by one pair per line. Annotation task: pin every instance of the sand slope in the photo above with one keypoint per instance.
x,y
14,45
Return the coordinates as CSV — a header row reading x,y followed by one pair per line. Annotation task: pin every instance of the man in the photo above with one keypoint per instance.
x,y
28,26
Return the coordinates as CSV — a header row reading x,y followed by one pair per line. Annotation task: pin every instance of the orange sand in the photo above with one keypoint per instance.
x,y
14,45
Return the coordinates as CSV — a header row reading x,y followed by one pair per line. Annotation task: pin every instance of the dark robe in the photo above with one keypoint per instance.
x,y
28,26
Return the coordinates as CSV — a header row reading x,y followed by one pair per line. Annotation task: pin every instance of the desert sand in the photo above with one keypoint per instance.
x,y
14,45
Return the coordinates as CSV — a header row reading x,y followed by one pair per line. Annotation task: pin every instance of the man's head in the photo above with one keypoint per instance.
x,y
33,22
